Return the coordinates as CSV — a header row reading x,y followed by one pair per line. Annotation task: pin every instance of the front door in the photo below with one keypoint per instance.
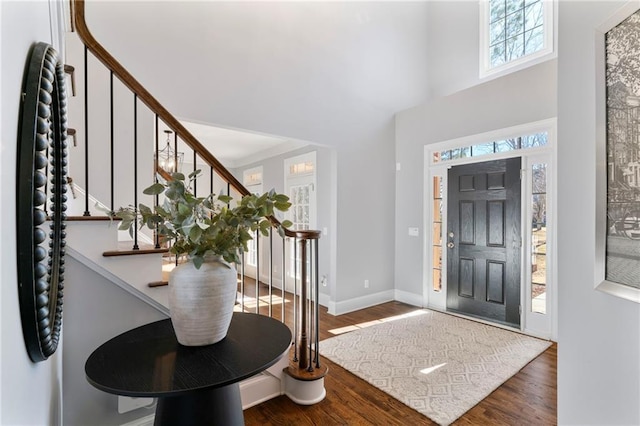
x,y
484,240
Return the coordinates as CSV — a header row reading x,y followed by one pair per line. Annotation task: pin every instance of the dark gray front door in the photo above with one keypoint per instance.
x,y
484,240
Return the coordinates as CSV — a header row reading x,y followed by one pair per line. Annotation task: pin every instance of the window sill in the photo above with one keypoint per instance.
x,y
619,290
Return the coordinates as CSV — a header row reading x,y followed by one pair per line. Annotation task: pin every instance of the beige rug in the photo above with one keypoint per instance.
x,y
438,364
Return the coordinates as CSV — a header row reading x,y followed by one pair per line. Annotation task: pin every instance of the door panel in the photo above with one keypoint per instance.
x,y
483,272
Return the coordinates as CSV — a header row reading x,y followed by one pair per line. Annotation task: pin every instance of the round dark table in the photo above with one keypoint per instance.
x,y
195,385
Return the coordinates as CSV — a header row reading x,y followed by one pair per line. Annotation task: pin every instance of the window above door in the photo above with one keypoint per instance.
x,y
515,34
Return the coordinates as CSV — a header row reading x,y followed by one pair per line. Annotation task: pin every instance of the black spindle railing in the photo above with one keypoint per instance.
x,y
270,275
175,152
195,181
86,133
135,170
111,142
316,313
257,254
243,275
156,199
284,277
210,180
303,355
295,298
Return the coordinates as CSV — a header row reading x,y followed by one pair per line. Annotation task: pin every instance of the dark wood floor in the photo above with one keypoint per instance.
x,y
528,398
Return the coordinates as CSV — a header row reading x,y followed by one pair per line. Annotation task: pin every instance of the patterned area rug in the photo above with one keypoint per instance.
x,y
438,364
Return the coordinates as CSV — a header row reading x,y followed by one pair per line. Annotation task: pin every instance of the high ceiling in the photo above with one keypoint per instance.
x,y
332,73
235,148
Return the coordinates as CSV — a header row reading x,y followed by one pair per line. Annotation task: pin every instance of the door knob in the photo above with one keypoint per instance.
x,y
450,244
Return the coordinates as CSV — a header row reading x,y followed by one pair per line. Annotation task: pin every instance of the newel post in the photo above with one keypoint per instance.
x,y
304,378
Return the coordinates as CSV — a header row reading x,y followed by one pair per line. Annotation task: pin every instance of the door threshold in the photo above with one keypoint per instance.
x,y
483,321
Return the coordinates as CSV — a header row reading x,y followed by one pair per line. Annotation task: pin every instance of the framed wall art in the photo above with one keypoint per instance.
x,y
619,227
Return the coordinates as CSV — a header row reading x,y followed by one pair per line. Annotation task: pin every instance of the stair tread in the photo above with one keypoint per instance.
x,y
125,249
91,218
158,284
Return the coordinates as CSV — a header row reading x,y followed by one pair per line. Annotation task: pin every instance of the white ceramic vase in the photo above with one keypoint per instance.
x,y
201,301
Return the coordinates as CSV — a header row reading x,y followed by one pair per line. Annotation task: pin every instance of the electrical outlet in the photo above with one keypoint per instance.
x,y
324,281
366,283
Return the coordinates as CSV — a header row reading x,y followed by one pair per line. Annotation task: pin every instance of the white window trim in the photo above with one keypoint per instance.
x,y
601,284
305,178
255,187
531,323
537,323
549,52
548,125
252,179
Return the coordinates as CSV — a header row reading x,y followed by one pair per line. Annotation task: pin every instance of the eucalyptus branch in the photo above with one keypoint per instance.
x,y
202,226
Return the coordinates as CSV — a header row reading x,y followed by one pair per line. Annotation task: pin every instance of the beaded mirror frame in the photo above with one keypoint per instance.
x,y
41,173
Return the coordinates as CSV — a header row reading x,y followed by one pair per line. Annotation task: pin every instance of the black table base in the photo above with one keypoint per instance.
x,y
218,406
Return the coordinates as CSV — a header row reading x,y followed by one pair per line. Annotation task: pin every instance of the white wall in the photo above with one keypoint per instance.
x,y
453,46
518,98
31,393
273,178
599,335
101,311
332,73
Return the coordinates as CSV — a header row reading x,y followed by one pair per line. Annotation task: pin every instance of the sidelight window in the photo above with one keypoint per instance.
x,y
539,238
436,236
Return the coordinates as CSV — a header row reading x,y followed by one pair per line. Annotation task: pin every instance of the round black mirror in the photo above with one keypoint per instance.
x,y
40,200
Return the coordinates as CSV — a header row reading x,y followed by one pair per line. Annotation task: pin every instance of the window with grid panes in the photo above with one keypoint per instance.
x,y
514,31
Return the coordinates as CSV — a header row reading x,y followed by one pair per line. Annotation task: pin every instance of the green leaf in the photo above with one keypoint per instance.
x,y
195,233
145,210
197,261
177,176
161,211
171,194
244,235
125,224
283,207
183,209
202,224
155,189
105,210
225,198
287,224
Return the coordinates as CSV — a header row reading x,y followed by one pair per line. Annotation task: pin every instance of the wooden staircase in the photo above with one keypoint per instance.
x,y
111,162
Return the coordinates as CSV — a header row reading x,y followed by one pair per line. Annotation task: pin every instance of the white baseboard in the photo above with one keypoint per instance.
x,y
409,298
143,421
258,389
324,300
355,304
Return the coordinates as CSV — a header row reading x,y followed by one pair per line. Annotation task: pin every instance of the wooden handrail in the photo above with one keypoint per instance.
x,y
78,12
